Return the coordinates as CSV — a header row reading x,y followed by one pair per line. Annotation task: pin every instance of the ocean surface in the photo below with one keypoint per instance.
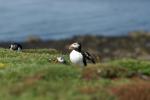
x,y
56,19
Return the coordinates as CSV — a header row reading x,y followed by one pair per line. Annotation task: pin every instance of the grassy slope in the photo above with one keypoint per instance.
x,y
29,75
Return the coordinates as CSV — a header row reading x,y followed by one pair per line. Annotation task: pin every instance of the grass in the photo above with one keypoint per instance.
x,y
29,75
134,65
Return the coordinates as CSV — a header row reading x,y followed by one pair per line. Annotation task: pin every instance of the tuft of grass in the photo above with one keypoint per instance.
x,y
133,65
104,71
134,91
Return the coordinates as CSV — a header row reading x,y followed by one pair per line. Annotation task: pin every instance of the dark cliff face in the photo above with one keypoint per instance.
x,y
133,46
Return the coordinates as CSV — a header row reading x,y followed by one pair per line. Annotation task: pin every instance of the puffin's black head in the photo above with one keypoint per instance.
x,y
15,46
75,46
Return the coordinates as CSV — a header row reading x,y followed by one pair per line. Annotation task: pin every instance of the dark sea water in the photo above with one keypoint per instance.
x,y
55,19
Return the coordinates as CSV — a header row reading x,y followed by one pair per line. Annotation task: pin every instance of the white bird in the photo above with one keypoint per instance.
x,y
77,56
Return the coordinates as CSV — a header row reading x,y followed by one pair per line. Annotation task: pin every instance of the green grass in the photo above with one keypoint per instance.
x,y
28,75
139,66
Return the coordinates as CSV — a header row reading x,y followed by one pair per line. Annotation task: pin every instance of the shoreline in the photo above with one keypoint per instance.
x,y
136,45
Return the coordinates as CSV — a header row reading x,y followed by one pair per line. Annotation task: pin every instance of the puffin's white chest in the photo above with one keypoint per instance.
x,y
76,57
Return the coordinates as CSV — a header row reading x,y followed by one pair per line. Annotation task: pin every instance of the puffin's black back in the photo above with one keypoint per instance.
x,y
16,46
88,56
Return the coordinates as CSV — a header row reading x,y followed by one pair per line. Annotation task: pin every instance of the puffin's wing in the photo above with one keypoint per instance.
x,y
18,45
88,56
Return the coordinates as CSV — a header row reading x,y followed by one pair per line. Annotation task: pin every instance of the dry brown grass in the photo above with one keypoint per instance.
x,y
133,91
103,71
89,90
90,73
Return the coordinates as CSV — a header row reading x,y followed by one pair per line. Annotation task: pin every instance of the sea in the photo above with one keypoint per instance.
x,y
58,19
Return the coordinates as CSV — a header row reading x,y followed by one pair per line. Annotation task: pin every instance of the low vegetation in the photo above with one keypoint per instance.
x,y
29,75
134,45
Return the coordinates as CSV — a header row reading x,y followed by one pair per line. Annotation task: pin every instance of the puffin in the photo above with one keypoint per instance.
x,y
15,47
61,59
78,56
